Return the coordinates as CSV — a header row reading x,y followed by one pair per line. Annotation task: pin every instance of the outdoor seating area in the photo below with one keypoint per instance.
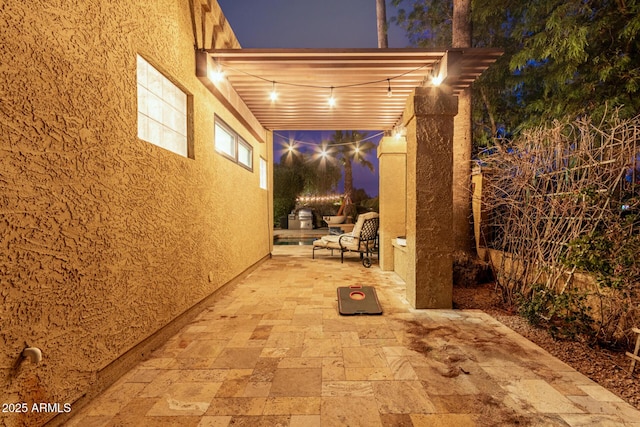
x,y
361,239
273,350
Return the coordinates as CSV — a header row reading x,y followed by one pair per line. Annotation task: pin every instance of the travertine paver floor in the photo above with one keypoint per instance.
x,y
273,351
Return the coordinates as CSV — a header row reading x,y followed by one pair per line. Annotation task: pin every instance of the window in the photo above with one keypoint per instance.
x,y
225,141
162,110
245,154
263,173
229,143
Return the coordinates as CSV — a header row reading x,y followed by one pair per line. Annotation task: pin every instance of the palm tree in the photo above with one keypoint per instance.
x,y
381,13
461,37
350,146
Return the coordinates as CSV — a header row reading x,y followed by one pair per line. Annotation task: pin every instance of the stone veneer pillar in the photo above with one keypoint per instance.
x,y
430,197
392,164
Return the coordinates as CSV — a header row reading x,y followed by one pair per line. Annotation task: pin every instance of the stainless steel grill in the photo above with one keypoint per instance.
x,y
305,216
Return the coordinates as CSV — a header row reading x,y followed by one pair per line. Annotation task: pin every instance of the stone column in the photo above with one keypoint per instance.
x,y
430,197
392,164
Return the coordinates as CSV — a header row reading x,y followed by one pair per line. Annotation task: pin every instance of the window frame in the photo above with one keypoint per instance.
x,y
237,143
264,173
169,103
249,149
225,128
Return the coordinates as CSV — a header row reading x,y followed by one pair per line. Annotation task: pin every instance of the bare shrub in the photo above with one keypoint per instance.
x,y
561,200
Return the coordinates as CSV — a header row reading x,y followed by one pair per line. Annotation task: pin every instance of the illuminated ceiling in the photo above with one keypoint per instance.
x,y
360,79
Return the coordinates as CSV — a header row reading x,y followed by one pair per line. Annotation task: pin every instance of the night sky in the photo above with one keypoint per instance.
x,y
312,24
308,23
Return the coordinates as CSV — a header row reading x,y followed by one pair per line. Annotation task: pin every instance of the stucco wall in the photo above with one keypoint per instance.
x,y
392,159
105,238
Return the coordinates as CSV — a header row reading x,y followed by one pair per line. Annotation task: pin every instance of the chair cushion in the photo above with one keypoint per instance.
x,y
333,242
345,239
329,243
349,241
361,219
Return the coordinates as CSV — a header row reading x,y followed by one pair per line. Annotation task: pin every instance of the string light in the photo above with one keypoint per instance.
x,y
436,77
331,198
324,153
291,142
400,131
332,100
216,75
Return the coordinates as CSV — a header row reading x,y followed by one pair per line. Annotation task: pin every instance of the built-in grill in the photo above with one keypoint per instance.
x,y
302,219
305,216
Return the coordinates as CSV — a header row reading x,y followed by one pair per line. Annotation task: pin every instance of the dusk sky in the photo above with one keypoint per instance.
x,y
308,23
312,24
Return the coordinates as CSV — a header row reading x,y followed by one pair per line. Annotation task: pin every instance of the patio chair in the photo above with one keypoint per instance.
x,y
362,239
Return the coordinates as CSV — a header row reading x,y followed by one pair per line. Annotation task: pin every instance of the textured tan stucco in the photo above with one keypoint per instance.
x,y
462,142
105,238
392,155
430,198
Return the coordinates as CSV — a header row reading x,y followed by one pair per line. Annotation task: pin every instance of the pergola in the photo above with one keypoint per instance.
x,y
374,89
370,86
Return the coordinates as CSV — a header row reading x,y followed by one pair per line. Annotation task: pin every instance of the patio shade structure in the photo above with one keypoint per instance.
x,y
370,86
374,89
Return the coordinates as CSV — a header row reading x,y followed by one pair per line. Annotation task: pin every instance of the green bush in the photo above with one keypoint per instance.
x,y
566,314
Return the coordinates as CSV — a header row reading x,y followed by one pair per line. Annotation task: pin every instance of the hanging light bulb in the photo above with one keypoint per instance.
x,y
436,77
389,91
399,131
216,75
273,95
332,100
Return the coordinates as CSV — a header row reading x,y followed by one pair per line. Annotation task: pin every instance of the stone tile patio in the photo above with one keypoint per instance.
x,y
274,351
